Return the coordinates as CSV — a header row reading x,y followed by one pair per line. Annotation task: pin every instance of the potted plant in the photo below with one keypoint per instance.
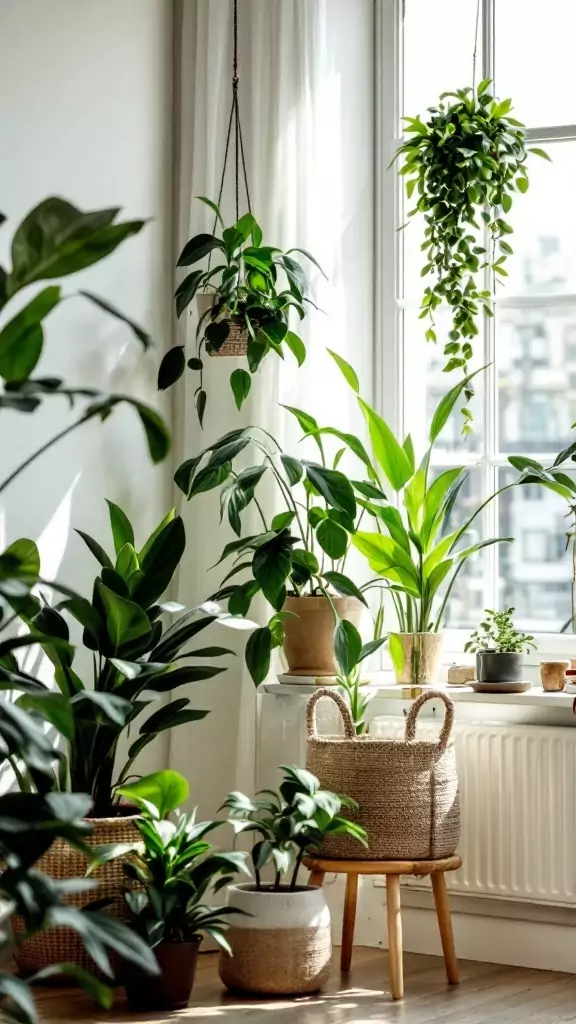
x,y
136,660
415,554
245,303
298,559
464,166
283,943
172,870
499,647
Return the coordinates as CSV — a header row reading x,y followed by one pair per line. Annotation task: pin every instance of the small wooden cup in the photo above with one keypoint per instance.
x,y
552,674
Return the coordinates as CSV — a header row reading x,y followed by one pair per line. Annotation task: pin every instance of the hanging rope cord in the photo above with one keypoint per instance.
x,y
234,119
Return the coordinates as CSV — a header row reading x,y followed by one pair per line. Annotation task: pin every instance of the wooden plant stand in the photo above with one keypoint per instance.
x,y
392,869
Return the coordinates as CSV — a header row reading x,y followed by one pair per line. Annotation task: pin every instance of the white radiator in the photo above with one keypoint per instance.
x,y
518,798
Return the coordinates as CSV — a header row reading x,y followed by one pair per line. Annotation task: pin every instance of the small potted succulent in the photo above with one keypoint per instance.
x,y
499,647
244,302
170,872
282,945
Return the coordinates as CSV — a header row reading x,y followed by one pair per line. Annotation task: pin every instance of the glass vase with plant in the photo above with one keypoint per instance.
x,y
170,873
252,289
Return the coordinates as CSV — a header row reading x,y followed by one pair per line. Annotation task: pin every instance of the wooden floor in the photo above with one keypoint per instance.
x,y
487,993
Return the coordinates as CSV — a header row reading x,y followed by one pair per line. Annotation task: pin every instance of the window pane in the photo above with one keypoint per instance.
x,y
438,48
467,597
535,570
426,384
536,360
544,222
535,59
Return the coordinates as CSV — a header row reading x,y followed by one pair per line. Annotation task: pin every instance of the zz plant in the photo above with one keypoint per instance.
x,y
463,166
135,660
253,286
290,824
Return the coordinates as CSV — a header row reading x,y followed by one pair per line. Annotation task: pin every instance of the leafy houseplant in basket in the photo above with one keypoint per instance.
x,y
283,944
298,559
463,166
136,660
499,647
171,871
246,302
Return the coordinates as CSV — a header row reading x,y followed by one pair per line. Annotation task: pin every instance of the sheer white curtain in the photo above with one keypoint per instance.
x,y
306,98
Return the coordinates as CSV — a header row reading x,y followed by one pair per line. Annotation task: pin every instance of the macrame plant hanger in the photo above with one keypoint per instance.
x,y
235,124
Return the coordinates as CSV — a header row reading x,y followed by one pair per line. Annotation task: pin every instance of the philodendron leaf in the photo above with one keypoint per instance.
x,y
240,382
126,621
165,790
197,248
334,487
172,367
347,646
344,585
332,538
258,651
186,290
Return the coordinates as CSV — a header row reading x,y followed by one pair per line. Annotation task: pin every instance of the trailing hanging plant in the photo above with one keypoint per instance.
x,y
464,165
254,287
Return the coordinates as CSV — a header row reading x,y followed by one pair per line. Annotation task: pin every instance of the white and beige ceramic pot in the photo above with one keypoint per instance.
x,y
283,947
416,657
308,632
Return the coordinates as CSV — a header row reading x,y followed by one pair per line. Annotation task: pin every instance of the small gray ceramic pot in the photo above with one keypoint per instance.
x,y
495,667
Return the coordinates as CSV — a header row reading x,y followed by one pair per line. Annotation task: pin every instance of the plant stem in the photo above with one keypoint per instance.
x,y
54,440
296,870
277,882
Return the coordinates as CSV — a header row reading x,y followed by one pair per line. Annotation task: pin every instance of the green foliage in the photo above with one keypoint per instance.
x,y
290,823
252,285
302,550
498,633
464,166
349,653
135,659
173,868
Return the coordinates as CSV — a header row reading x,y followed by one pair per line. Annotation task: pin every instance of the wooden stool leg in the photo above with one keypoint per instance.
x,y
349,921
445,926
316,877
394,935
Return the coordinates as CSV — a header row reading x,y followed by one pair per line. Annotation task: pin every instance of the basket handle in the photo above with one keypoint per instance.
x,y
325,691
448,717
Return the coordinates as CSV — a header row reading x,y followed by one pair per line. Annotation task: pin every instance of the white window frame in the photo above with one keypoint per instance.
x,y
390,369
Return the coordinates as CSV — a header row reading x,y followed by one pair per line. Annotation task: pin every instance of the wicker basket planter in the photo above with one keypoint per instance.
x,y
308,639
284,947
62,945
236,344
407,790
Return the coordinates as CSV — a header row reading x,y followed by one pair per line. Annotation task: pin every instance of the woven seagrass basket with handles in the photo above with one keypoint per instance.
x,y
406,790
62,945
236,344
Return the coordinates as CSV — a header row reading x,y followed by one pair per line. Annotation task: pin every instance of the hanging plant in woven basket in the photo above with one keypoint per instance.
x,y
246,300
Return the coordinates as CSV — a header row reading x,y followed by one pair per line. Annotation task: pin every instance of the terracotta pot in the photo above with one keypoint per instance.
x,y
169,990
416,657
63,945
236,344
308,638
282,946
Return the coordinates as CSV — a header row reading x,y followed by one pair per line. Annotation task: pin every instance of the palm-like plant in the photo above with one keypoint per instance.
x,y
135,660
291,823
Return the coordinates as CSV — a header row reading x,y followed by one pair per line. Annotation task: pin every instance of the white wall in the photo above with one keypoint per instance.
x,y
86,113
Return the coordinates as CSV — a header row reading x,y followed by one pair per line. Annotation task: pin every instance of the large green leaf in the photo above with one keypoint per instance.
x,y
347,646
197,248
57,239
334,487
390,455
271,567
187,289
384,554
344,585
332,538
447,403
125,620
53,708
22,338
347,371
438,503
160,562
172,367
165,790
122,530
258,651
97,550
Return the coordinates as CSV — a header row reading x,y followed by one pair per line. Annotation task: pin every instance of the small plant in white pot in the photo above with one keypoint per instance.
x,y
283,945
499,647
